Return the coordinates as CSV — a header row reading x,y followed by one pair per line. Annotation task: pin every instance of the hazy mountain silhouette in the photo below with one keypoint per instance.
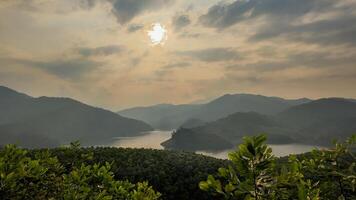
x,y
227,132
194,140
321,120
55,121
162,116
191,123
167,116
315,122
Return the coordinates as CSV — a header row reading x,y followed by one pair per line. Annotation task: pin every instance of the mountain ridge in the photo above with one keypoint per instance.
x,y
170,116
61,120
316,122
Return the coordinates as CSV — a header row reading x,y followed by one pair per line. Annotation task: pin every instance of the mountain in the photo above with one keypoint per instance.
x,y
52,121
192,140
316,122
167,116
191,123
227,132
229,104
162,116
321,120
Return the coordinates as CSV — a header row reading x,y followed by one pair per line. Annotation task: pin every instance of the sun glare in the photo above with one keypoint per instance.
x,y
158,34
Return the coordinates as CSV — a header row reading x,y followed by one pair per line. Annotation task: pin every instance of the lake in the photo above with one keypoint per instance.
x,y
149,140
153,140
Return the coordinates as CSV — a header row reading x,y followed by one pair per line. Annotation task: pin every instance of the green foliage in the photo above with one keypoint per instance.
x,y
255,174
43,177
97,182
290,182
334,169
250,175
23,178
174,174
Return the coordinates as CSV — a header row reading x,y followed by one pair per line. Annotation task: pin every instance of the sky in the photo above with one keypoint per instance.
x,y
98,51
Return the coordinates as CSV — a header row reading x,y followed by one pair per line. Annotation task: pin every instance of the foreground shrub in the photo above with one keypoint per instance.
x,y
175,174
43,177
255,174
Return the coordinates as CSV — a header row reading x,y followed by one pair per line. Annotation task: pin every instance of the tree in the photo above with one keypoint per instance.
x,y
23,178
334,169
250,176
43,177
254,175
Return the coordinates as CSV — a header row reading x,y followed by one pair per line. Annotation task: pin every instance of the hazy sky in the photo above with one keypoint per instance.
x,y
98,51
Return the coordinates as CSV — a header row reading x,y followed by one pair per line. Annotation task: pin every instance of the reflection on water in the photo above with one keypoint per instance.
x,y
153,140
150,140
278,150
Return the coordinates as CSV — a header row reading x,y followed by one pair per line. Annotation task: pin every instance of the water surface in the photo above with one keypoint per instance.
x,y
149,140
278,150
153,140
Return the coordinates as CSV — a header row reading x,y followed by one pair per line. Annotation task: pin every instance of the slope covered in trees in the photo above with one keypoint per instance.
x,y
47,121
167,116
321,120
139,174
254,173
316,123
44,177
172,173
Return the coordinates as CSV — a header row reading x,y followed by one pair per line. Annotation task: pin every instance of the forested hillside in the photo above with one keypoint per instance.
x,y
252,172
174,174
316,122
48,121
167,116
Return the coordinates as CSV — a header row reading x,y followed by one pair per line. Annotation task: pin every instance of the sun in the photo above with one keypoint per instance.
x,y
158,34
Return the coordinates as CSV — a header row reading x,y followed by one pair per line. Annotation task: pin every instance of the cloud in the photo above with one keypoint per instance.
x,y
211,54
189,35
134,27
126,10
177,65
87,4
307,59
180,21
223,15
135,61
70,69
100,51
339,30
290,19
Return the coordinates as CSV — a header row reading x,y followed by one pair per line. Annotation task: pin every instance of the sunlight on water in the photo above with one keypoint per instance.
x,y
278,150
153,140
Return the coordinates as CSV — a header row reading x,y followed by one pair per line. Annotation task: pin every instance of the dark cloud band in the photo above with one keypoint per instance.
x,y
284,19
180,21
101,51
211,54
126,10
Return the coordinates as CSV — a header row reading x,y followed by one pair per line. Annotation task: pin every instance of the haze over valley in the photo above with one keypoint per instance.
x,y
212,128
209,72
177,99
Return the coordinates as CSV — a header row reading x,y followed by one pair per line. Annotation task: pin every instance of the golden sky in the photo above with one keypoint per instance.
x,y
98,51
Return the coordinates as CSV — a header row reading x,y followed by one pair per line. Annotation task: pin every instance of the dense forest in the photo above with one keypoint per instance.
x,y
315,122
168,116
174,174
177,100
33,122
252,172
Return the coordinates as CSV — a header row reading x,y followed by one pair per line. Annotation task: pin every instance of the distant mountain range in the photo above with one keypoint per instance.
x,y
216,125
168,117
315,122
47,121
